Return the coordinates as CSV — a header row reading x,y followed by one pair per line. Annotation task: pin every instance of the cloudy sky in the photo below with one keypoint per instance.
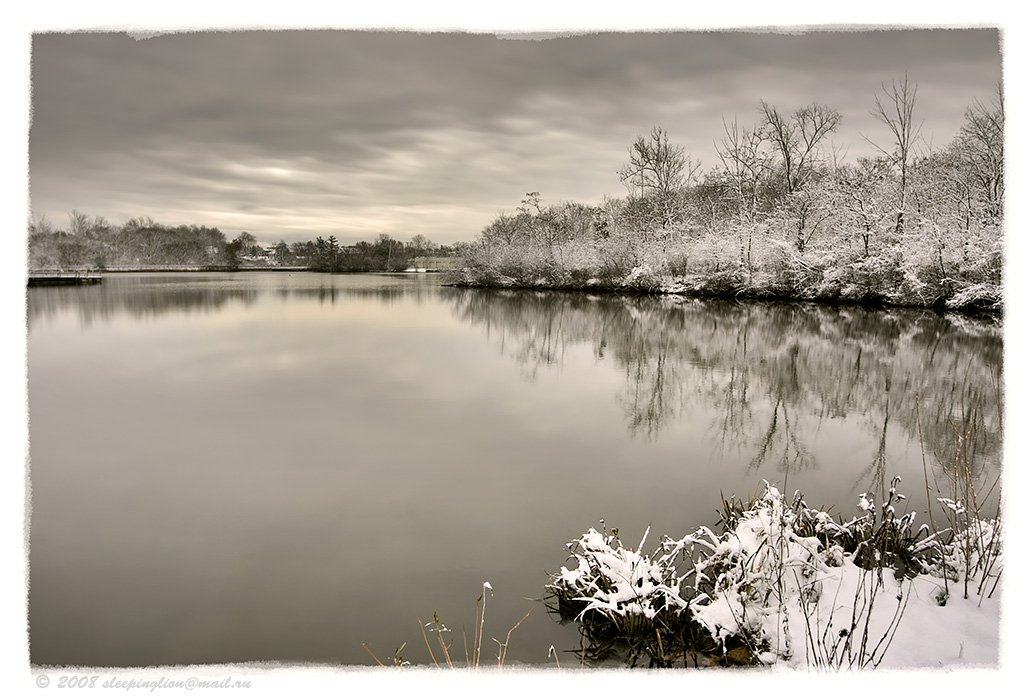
x,y
293,134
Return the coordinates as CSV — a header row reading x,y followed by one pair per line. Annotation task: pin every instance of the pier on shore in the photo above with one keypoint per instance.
x,y
40,278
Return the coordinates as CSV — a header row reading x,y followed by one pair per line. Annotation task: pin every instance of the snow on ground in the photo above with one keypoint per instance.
x,y
962,633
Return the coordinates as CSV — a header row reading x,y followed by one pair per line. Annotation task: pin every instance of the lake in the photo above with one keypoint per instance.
x,y
287,466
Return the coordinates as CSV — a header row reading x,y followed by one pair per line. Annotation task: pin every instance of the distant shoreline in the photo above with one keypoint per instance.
x,y
213,268
205,268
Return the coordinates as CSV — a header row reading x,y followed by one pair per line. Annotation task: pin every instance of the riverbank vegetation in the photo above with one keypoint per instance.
x,y
781,215
782,583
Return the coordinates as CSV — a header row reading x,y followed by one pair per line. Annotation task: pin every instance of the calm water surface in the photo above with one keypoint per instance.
x,y
273,466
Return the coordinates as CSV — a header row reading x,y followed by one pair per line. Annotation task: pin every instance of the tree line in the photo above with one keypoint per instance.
x,y
385,253
140,243
780,215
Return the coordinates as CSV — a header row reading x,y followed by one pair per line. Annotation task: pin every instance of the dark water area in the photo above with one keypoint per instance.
x,y
284,466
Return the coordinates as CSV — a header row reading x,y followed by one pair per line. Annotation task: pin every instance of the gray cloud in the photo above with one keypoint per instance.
x,y
293,134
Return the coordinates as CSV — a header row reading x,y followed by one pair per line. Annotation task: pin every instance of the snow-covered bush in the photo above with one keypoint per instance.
x,y
624,600
975,555
985,295
774,578
643,278
747,581
780,583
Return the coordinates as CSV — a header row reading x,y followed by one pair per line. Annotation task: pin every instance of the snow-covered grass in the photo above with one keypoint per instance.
x,y
788,585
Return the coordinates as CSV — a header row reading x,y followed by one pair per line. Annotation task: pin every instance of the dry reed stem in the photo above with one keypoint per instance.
x,y
507,639
365,646
422,627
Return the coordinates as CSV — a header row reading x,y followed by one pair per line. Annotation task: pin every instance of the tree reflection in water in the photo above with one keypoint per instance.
x,y
153,295
766,376
772,373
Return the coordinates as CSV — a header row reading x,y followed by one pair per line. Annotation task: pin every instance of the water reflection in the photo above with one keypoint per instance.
x,y
765,376
264,466
772,373
100,303
153,295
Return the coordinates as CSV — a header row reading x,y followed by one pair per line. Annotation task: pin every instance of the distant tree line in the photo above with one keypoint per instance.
x,y
95,242
780,215
142,243
385,253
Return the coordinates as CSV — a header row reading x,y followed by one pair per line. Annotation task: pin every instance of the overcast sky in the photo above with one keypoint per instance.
x,y
294,134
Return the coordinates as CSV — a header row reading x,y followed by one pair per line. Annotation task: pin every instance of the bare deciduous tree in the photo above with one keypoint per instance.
x,y
78,223
859,188
895,110
657,167
41,226
421,245
982,146
746,162
796,139
657,176
809,208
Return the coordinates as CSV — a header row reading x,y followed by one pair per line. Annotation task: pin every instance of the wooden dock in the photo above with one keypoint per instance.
x,y
41,278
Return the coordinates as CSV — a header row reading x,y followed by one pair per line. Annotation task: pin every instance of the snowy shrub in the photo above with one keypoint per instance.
x,y
781,582
626,602
880,539
986,296
619,582
748,582
643,278
975,555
